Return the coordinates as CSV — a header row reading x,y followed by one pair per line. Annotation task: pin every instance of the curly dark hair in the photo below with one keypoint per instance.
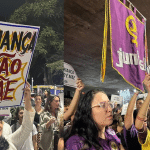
x,y
83,123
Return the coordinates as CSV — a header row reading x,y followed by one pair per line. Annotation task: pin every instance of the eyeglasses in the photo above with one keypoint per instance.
x,y
104,105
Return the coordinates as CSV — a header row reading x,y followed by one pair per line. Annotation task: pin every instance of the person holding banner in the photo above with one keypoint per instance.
x,y
16,139
31,141
74,103
141,119
129,131
69,113
90,125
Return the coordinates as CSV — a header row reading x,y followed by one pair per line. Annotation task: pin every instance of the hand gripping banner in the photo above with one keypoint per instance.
x,y
127,44
17,43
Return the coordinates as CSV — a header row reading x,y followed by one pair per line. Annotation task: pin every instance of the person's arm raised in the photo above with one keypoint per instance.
x,y
22,133
141,116
27,98
75,100
129,114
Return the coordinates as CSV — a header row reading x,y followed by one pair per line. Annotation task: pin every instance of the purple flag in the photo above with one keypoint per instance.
x,y
127,44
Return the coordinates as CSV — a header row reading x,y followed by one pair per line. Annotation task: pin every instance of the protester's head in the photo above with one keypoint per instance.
x,y
52,103
38,99
67,102
19,113
46,93
101,106
115,105
139,103
94,113
120,127
116,120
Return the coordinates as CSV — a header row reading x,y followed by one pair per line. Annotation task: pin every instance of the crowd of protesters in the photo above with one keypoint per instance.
x,y
45,127
96,123
88,121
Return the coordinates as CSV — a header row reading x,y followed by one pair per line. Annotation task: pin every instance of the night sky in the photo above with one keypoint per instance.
x,y
7,7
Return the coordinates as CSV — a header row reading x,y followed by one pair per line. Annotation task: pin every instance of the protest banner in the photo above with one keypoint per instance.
x,y
117,98
17,43
5,111
127,44
61,96
142,96
70,76
124,108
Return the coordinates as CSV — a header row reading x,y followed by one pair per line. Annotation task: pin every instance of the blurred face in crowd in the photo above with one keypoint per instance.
x,y
45,93
20,115
102,115
38,100
115,105
139,104
55,103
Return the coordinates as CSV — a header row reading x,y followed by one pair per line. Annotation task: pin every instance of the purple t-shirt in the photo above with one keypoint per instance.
x,y
112,142
131,138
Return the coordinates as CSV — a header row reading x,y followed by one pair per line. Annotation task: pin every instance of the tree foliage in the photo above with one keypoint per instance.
x,y
48,14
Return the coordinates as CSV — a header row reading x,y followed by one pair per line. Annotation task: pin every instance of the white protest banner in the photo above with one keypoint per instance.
x,y
17,43
142,96
61,96
124,108
117,98
5,111
70,76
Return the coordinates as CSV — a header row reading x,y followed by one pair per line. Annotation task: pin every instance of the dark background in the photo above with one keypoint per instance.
x,y
7,7
83,37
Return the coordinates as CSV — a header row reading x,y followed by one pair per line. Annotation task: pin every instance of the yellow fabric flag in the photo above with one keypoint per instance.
x,y
104,49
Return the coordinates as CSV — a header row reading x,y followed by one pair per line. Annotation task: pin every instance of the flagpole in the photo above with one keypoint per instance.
x,y
137,10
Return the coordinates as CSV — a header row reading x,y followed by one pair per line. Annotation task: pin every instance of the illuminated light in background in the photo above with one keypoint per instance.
x,y
126,95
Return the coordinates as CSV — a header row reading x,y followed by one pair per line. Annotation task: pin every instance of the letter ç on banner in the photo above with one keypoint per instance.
x,y
127,44
17,43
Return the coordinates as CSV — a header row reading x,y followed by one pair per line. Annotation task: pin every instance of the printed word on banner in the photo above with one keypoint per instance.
x,y
70,76
117,98
5,111
127,44
17,43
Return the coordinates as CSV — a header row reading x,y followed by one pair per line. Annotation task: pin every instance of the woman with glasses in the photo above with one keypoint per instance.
x,y
49,122
90,126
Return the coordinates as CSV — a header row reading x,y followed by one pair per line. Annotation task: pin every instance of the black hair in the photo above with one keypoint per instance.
x,y
37,95
67,101
83,123
16,113
4,145
140,99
